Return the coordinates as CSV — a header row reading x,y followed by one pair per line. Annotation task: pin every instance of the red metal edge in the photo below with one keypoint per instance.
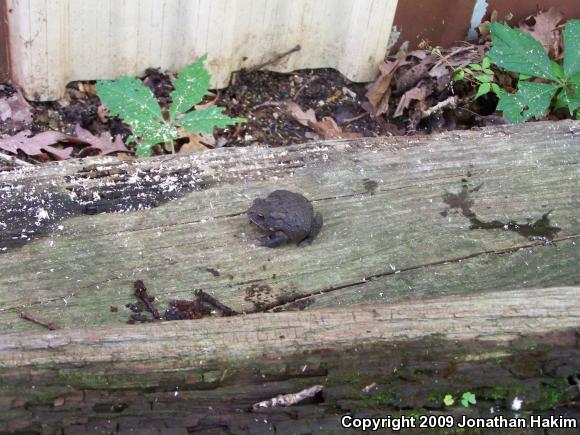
x,y
4,42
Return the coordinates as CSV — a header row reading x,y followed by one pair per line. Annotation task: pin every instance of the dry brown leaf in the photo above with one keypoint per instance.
x,y
296,112
380,91
411,77
544,29
35,145
198,142
417,93
16,109
103,113
329,129
104,143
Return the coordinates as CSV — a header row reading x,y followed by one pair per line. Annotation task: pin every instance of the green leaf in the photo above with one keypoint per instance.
x,y
572,48
557,68
468,399
488,71
130,99
496,89
482,90
569,99
486,62
531,100
524,77
475,67
483,79
205,120
448,400
459,75
143,149
190,87
518,51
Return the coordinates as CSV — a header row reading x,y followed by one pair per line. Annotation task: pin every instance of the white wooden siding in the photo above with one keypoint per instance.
x,y
53,42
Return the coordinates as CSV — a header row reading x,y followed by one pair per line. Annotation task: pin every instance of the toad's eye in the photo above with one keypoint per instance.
x,y
260,215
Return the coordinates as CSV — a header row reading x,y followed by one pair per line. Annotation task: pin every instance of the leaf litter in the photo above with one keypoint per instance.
x,y
414,92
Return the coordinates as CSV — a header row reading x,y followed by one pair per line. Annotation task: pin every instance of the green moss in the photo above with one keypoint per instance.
x,y
385,397
499,392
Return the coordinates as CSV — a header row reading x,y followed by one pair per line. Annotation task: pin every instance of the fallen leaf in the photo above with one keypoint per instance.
x,y
380,91
329,129
35,145
411,77
104,143
16,109
417,93
544,29
300,115
197,142
103,113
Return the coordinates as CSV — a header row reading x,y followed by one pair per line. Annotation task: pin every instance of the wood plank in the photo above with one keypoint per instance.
x,y
385,201
370,359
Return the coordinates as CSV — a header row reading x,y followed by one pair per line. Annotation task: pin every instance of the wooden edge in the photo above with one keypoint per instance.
x,y
4,43
498,317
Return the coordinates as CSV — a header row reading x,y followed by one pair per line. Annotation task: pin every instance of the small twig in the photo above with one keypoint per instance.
x,y
226,311
141,293
14,160
267,104
275,59
284,400
450,102
31,318
355,118
304,86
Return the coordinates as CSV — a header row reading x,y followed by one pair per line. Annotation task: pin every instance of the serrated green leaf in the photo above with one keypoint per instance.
x,y
486,62
475,67
129,99
206,119
482,90
488,71
569,99
190,87
144,149
496,89
518,51
531,100
483,79
572,48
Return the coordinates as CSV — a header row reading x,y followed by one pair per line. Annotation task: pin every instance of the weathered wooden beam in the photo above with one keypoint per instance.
x,y
379,358
404,217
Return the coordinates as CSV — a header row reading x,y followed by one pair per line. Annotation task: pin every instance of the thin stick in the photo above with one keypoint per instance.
x,y
226,311
275,59
14,160
31,318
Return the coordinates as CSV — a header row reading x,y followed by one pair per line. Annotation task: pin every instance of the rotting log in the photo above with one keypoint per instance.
x,y
465,244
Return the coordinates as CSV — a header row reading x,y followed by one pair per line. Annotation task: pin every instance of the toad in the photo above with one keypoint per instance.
x,y
283,217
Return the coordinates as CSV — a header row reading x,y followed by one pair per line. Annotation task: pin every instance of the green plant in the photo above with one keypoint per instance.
x,y
519,52
134,102
481,75
467,399
448,400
